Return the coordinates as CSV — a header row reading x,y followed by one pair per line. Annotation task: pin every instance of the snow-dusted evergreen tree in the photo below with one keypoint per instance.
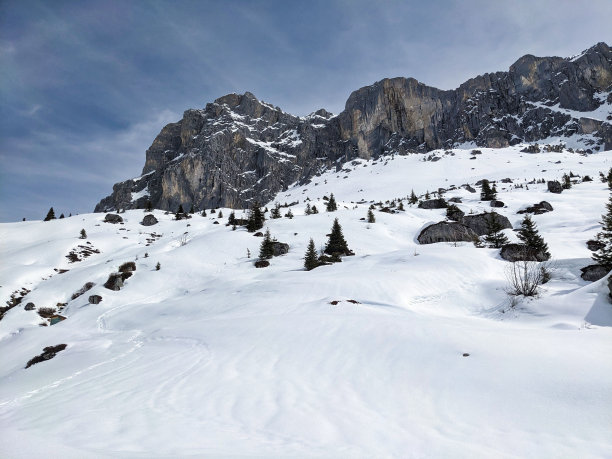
x,y
336,243
311,260
413,198
276,213
371,218
566,182
314,209
530,236
266,249
331,204
50,215
83,234
256,218
180,213
308,210
486,192
231,220
289,214
495,238
603,256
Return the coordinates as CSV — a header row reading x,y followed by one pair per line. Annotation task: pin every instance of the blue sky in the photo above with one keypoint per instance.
x,y
86,85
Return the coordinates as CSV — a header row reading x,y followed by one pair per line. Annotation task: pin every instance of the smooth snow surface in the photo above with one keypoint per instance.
x,y
210,356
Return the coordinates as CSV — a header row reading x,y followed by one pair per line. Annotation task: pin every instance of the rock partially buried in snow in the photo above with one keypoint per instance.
x,y
48,353
113,218
262,263
446,232
496,203
149,220
554,187
95,299
479,223
593,273
540,208
520,252
114,282
433,204
280,248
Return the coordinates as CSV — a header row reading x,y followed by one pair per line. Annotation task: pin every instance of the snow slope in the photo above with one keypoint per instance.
x,y
210,356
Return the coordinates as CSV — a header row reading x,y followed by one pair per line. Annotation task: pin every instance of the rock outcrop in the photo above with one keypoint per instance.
x,y
593,273
238,148
520,252
446,232
480,223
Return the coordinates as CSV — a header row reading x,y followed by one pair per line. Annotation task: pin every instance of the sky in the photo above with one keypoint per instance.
x,y
85,86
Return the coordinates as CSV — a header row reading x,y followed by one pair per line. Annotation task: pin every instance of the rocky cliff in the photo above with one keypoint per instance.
x,y
239,148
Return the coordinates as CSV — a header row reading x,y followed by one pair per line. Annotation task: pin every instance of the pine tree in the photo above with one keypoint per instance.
x,y
529,235
220,214
62,216
276,211
256,218
427,194
148,206
232,218
203,212
314,209
494,237
566,182
83,234
157,266
50,215
413,198
266,249
336,243
371,218
191,209
331,204
308,210
603,256
311,260
289,214
401,206
487,193
608,179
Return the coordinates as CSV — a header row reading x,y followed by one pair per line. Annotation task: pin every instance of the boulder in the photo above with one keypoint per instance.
x,y
455,214
520,252
30,306
455,199
446,232
478,222
594,245
433,204
82,290
149,220
593,273
496,203
280,248
540,208
95,299
555,187
113,218
114,282
48,353
262,263
469,188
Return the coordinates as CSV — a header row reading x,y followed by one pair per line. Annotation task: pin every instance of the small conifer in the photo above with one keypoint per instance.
x,y
494,237
413,198
311,261
530,236
83,234
336,243
371,218
50,215
603,256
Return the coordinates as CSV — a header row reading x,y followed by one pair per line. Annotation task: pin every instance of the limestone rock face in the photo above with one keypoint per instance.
x,y
238,148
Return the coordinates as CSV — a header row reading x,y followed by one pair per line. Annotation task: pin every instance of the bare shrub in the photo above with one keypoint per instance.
x,y
524,277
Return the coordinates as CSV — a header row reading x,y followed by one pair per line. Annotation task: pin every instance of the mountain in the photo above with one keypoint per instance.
x,y
238,148
402,350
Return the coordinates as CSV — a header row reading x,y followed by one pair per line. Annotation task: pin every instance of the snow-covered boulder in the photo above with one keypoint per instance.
x,y
446,232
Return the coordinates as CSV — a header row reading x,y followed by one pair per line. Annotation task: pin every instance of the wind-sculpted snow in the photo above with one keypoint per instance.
x,y
208,356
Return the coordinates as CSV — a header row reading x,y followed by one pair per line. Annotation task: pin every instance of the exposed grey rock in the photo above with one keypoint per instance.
x,y
520,252
149,220
593,273
88,286
433,204
537,209
478,222
115,281
30,306
238,148
496,203
469,188
446,232
555,187
95,299
113,218
48,353
262,263
280,248
594,245
455,199
455,214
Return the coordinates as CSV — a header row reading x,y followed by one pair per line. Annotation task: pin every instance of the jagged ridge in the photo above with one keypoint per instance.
x,y
239,148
